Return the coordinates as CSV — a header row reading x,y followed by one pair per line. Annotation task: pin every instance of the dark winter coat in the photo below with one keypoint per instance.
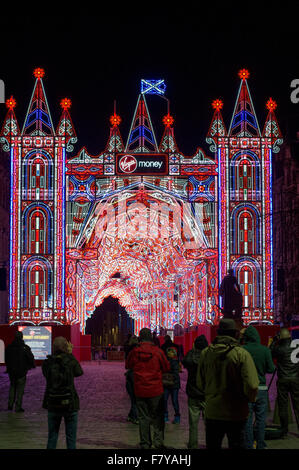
x,y
148,363
261,355
231,294
281,351
175,371
18,358
190,362
71,362
227,377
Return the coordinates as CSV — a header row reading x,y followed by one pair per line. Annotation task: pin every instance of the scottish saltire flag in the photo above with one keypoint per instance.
x,y
153,87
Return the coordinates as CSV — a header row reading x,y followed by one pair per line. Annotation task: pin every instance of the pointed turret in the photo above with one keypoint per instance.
x,y
38,119
141,136
168,143
244,121
65,127
10,126
115,142
271,128
217,128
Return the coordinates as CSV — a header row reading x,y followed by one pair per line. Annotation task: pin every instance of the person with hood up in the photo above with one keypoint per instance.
x,y
262,358
287,376
228,379
19,359
149,362
195,397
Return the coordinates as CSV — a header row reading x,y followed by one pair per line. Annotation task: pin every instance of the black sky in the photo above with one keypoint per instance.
x,y
95,60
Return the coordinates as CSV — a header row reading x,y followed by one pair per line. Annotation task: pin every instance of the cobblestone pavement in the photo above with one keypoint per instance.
x,y
103,415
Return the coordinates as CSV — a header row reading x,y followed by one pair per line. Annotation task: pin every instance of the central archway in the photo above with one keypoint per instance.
x,y
109,325
158,248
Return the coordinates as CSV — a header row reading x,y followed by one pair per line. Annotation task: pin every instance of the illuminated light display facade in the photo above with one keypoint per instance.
x,y
168,224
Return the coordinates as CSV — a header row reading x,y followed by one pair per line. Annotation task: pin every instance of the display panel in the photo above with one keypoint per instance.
x,y
39,339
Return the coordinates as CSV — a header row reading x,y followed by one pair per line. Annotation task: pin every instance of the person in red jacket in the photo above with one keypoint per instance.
x,y
149,362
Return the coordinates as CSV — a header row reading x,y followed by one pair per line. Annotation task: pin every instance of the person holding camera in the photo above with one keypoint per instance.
x,y
287,377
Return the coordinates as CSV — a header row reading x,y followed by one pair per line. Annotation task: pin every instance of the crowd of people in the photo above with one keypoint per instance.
x,y
226,385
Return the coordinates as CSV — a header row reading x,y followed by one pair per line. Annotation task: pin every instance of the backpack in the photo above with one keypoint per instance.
x,y
60,381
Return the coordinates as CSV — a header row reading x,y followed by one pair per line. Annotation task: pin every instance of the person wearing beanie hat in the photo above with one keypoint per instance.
x,y
228,380
148,363
195,397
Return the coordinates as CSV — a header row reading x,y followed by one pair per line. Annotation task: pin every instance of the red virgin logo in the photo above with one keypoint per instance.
x,y
128,164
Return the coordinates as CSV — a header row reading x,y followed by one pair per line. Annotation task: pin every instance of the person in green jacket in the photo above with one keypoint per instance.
x,y
262,358
228,379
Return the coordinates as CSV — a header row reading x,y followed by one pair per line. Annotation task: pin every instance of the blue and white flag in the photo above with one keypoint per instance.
x,y
153,87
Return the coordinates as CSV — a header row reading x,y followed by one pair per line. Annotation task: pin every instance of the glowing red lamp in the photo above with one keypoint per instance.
x,y
11,103
168,120
271,104
115,120
65,103
217,104
244,74
39,73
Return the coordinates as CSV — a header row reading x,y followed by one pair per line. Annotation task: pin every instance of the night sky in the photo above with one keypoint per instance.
x,y
95,60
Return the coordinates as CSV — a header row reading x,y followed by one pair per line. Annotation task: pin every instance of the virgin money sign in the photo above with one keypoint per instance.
x,y
141,164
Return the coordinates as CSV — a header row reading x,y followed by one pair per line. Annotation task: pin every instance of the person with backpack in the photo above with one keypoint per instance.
x,y
195,397
228,379
172,388
19,359
61,398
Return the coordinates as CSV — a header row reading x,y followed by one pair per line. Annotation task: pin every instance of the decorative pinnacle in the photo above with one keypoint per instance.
x,y
115,120
271,104
168,120
244,74
217,104
65,103
39,73
11,103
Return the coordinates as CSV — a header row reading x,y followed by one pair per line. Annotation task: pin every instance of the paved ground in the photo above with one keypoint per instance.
x,y
102,418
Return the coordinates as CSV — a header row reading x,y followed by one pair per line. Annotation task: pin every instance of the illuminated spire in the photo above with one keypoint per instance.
x,y
115,142
168,143
38,119
65,126
244,122
10,126
271,127
141,136
217,126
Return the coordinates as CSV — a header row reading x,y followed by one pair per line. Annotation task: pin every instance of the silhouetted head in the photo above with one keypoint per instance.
x,y
201,342
19,335
167,339
145,334
60,344
230,272
227,327
284,333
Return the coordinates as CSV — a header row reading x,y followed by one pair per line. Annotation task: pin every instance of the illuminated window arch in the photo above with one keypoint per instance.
x,y
245,177
37,283
37,229
248,273
38,175
245,229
